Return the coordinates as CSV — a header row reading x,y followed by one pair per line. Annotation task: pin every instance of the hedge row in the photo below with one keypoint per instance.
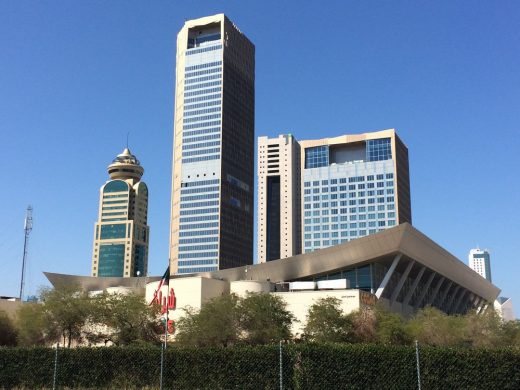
x,y
305,366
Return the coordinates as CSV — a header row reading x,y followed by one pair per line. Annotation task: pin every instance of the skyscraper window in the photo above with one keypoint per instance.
x,y
379,149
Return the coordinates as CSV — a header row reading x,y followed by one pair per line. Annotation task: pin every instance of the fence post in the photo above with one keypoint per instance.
x,y
162,366
281,366
55,367
418,365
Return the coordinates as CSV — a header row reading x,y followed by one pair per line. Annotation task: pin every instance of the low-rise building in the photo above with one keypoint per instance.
x,y
504,307
400,268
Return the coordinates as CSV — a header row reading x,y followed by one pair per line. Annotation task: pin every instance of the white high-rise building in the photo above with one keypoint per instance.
x,y
278,198
478,261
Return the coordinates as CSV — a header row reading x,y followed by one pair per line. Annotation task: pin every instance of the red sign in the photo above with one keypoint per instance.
x,y
171,326
168,302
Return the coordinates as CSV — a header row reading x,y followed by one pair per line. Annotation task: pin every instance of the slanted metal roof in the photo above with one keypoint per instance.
x,y
381,247
93,283
403,239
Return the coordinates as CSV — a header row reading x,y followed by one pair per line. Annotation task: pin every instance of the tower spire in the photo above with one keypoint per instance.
x,y
27,229
126,167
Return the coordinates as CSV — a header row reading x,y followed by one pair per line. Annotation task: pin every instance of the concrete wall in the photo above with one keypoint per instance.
x,y
505,310
193,292
299,303
190,292
242,287
10,307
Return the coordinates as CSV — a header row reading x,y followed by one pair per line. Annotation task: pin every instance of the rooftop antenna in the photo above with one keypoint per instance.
x,y
27,229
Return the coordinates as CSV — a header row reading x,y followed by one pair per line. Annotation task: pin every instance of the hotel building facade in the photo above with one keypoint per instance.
x,y
349,187
212,204
121,233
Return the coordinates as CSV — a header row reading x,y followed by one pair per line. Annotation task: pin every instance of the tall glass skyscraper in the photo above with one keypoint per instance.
x,y
213,159
121,232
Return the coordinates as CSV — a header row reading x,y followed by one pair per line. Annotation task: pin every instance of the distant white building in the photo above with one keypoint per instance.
x,y
478,261
504,307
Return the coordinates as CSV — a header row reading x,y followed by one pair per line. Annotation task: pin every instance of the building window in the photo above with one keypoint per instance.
x,y
113,231
115,186
316,157
379,149
111,260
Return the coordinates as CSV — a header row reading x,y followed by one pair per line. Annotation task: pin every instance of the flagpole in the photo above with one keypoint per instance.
x,y
166,322
167,308
165,278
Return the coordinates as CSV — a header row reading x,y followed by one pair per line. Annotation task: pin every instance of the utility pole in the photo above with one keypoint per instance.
x,y
27,229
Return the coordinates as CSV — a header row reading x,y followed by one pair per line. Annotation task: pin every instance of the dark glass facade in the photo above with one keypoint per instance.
x,y
273,218
111,260
116,186
238,142
113,231
362,278
139,260
403,182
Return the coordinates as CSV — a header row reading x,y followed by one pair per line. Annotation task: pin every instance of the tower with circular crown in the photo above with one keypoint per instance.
x,y
121,231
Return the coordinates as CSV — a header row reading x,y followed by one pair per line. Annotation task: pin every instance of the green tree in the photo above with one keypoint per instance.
x,y
510,333
264,319
67,308
326,322
7,330
483,330
216,324
432,327
392,329
364,322
34,328
123,319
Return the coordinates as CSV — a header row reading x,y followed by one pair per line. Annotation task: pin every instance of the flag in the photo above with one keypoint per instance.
x,y
164,280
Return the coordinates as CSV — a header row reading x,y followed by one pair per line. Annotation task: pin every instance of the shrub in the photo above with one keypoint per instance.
x,y
305,366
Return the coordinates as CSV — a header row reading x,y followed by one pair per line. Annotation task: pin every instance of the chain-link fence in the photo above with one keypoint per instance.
x,y
282,366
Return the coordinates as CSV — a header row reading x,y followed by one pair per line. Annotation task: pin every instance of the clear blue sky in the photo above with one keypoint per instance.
x,y
75,77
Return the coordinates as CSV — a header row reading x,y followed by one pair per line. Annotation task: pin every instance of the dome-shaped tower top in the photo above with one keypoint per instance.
x,y
125,166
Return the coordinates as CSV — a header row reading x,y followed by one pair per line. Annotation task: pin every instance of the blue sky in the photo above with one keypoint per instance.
x,y
75,77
